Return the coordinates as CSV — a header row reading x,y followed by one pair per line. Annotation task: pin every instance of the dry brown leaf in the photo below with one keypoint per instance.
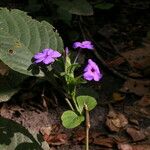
x,y
134,74
138,58
57,139
136,112
115,62
145,101
116,121
80,135
147,131
120,139
46,130
136,134
118,96
138,87
133,147
134,121
104,141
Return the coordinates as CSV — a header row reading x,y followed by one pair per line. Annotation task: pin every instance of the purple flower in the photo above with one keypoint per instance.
x,y
47,56
84,45
92,72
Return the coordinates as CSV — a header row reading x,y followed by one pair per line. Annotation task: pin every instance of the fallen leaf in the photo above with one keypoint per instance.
x,y
46,130
136,112
115,62
147,131
138,58
80,135
136,134
138,87
134,74
104,141
133,147
145,101
116,121
134,121
57,139
120,139
118,96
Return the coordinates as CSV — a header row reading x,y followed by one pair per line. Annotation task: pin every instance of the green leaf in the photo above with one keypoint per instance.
x,y
71,120
13,136
21,37
78,7
64,15
9,84
104,6
87,91
88,100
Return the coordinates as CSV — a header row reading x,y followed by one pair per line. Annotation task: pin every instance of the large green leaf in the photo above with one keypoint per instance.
x,y
71,120
104,6
9,84
13,136
21,37
88,100
78,7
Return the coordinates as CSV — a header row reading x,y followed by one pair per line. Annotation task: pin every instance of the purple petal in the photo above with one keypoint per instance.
x,y
96,76
77,45
48,60
50,52
88,76
87,68
93,65
55,54
39,55
39,60
87,44
46,50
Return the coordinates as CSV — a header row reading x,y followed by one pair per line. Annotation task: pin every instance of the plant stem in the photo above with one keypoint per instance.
x,y
78,54
67,100
87,127
75,103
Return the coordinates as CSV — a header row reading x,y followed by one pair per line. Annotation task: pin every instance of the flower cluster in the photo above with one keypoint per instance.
x,y
91,71
47,56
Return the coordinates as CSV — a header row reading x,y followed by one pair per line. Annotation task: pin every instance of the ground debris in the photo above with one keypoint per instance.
x,y
138,87
136,134
133,147
116,121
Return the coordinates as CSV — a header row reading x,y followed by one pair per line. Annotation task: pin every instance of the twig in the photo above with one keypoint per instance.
x,y
87,126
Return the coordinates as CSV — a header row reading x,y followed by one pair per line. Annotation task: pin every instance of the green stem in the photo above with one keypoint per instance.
x,y
78,54
67,100
76,105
